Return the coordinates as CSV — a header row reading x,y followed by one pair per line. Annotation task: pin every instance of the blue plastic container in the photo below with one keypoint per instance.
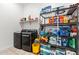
x,y
42,33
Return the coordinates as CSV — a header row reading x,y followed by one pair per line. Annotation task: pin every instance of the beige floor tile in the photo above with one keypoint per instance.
x,y
14,51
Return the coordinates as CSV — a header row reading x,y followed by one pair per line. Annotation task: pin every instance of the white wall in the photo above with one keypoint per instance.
x,y
34,10
10,15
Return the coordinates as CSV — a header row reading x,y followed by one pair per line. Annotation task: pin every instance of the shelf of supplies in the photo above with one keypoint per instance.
x,y
75,23
60,24
64,36
55,24
75,7
61,47
70,11
54,16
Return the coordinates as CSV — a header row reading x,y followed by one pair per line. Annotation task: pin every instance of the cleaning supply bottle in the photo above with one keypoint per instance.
x,y
55,20
52,19
72,42
65,19
61,19
35,48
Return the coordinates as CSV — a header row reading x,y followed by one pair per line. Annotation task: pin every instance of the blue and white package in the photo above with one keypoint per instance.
x,y
53,52
60,52
68,52
52,40
45,49
64,42
59,43
56,20
64,31
46,9
56,32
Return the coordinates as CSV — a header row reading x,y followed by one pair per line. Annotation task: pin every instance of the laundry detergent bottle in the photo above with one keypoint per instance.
x,y
72,42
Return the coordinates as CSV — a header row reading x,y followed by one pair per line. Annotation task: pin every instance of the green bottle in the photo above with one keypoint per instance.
x,y
72,42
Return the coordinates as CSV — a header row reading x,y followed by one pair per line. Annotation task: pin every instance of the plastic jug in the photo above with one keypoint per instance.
x,y
35,48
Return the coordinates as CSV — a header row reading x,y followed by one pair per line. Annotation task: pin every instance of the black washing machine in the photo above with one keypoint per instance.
x,y
28,37
17,40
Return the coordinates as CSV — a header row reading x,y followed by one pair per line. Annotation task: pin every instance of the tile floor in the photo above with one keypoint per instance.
x,y
14,51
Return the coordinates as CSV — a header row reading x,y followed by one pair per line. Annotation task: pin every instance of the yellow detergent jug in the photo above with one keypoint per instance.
x,y
35,48
65,19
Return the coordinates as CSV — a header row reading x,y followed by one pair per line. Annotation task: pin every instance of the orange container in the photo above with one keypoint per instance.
x,y
49,21
52,19
61,19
